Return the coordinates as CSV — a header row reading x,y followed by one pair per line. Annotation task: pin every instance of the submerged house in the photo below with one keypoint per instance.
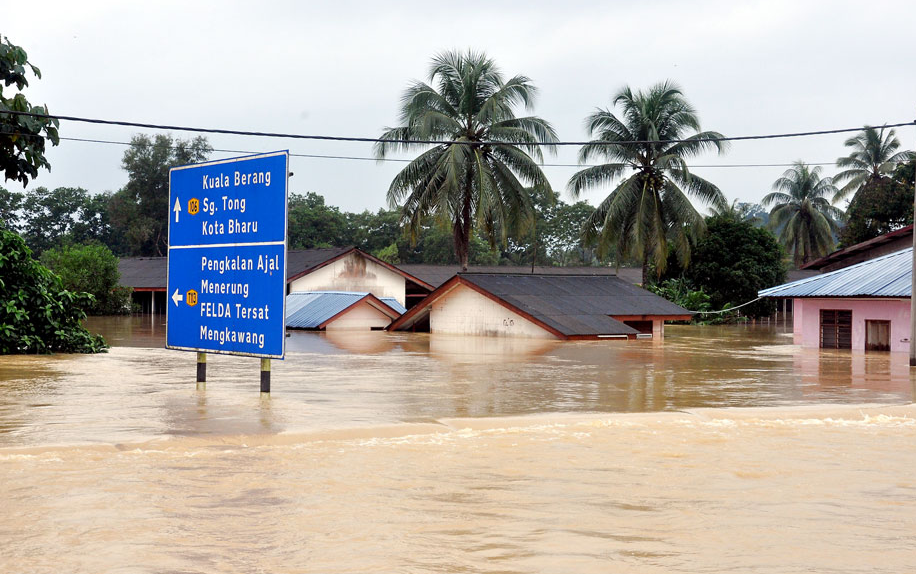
x,y
541,306
340,310
865,306
352,270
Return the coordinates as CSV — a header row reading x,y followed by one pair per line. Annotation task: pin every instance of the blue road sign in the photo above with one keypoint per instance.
x,y
227,256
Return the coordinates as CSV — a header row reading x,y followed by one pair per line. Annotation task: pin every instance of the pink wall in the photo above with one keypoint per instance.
x,y
806,327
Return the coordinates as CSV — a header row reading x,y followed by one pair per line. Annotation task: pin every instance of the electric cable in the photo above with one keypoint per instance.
x,y
430,142
398,160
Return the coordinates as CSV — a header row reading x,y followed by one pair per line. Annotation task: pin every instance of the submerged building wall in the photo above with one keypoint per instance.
x,y
807,314
354,273
464,311
360,317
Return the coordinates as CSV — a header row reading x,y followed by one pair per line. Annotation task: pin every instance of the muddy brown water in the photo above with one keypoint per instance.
x,y
721,449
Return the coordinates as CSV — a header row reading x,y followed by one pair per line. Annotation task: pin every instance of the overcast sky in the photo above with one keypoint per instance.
x,y
340,68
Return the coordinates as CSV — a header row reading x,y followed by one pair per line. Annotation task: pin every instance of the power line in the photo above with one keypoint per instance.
x,y
430,142
363,158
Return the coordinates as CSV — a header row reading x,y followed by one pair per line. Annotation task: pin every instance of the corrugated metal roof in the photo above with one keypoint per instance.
x,y
309,310
887,276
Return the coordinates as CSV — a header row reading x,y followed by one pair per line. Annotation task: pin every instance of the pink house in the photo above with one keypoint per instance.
x,y
863,307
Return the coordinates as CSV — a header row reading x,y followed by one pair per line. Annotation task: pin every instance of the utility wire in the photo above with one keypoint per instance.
x,y
730,309
431,142
388,159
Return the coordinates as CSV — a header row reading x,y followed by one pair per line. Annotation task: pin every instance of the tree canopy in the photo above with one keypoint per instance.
x,y
473,181
90,269
22,138
880,206
139,211
37,315
803,214
650,208
874,157
735,260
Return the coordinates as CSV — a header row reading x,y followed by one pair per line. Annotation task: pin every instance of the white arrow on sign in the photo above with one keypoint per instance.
x,y
177,209
176,297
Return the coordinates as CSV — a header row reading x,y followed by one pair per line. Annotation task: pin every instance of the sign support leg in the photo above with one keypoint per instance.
x,y
265,375
201,367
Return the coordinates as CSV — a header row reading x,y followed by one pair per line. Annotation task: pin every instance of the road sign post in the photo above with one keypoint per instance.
x,y
227,256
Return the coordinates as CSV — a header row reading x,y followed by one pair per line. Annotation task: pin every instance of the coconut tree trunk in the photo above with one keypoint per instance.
x,y
463,226
645,269
461,244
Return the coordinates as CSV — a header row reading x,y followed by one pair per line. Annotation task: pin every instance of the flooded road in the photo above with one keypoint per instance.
x,y
722,449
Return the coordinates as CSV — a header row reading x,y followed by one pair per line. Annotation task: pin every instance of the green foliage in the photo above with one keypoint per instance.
x,y
880,206
554,237
467,186
874,156
753,213
22,138
734,261
389,254
312,224
435,246
91,269
682,292
50,217
10,209
37,315
802,213
373,232
650,209
139,211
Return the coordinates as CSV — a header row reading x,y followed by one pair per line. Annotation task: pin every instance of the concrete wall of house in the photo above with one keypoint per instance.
x,y
807,318
354,273
360,317
463,311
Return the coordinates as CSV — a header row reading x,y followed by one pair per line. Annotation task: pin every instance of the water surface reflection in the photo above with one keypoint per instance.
x,y
342,380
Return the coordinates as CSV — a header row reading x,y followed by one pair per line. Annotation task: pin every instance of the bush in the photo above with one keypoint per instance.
x,y
37,315
681,292
91,269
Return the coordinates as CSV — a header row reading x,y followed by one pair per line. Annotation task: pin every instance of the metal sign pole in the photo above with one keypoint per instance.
x,y
913,290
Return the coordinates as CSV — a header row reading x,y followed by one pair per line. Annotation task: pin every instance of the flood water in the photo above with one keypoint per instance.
x,y
721,449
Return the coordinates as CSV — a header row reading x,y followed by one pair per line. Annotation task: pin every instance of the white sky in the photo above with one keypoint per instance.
x,y
339,68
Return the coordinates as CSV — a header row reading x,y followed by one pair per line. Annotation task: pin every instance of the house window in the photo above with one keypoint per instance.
x,y
877,335
836,329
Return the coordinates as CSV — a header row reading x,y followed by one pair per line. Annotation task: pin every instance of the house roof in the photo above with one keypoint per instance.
x,y
887,276
143,273
309,260
302,261
314,309
853,250
566,305
436,275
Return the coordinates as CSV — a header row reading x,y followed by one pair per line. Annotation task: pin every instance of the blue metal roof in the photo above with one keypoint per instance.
x,y
887,276
308,310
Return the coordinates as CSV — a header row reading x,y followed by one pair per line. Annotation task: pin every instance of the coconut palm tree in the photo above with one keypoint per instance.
x,y
874,157
802,214
652,138
472,180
